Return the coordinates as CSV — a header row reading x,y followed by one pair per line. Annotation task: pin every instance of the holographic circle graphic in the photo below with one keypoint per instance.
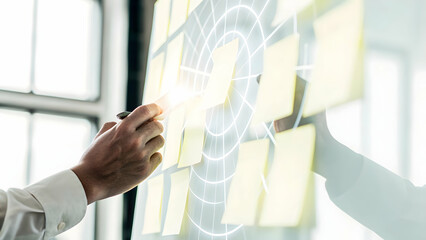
x,y
213,24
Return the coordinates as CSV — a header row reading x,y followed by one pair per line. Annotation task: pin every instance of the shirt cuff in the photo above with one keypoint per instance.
x,y
63,199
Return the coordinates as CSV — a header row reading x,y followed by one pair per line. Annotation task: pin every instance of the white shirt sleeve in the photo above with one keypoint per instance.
x,y
384,202
44,209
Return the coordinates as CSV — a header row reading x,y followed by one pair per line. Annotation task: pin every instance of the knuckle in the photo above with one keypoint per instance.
x,y
144,110
152,129
155,107
148,127
135,144
144,154
159,126
124,129
142,168
155,127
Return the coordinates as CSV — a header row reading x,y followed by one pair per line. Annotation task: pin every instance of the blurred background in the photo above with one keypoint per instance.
x,y
67,66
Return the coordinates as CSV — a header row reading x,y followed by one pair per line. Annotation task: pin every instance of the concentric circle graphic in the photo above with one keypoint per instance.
x,y
212,25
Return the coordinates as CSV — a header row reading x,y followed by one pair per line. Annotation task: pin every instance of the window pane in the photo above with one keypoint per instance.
x,y
58,144
345,124
383,74
418,129
14,148
16,20
68,48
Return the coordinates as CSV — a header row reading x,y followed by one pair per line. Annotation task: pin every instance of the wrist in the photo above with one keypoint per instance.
x,y
88,180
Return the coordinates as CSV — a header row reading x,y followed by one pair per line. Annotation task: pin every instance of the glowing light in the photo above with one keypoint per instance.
x,y
179,95
173,99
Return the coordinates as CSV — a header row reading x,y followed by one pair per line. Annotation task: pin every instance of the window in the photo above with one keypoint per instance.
x,y
51,47
418,129
16,44
370,127
14,129
35,146
383,93
67,53
57,142
49,90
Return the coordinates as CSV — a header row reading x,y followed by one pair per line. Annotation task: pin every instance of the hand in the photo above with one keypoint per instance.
x,y
332,159
122,155
325,143
318,120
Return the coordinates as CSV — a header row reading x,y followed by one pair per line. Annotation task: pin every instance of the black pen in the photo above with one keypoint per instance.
x,y
123,115
169,101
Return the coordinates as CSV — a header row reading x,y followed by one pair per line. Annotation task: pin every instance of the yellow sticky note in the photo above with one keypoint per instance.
x,y
288,8
338,73
246,185
179,15
152,219
224,59
153,80
288,179
161,23
193,140
172,65
275,97
193,4
177,202
174,137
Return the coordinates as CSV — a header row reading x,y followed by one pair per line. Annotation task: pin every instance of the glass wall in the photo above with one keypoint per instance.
x,y
384,129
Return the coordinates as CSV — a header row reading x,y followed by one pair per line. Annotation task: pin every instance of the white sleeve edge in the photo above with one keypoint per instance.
x,y
63,199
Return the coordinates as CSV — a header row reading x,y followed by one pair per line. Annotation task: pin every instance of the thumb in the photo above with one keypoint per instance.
x,y
107,126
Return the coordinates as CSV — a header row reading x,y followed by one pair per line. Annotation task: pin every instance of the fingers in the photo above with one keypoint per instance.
x,y
107,126
151,147
142,114
284,124
288,122
279,125
155,160
154,144
150,130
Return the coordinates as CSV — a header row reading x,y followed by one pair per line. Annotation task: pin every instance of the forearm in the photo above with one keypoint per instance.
x,y
23,215
384,202
337,163
377,198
